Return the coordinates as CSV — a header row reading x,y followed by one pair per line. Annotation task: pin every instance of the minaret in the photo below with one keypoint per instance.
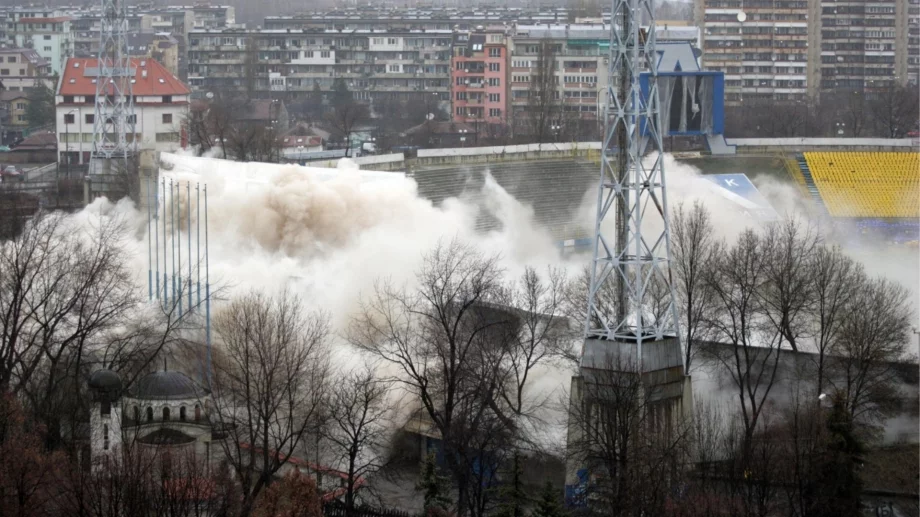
x,y
104,416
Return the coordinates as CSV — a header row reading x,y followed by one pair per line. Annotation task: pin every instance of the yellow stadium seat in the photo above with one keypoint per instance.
x,y
867,184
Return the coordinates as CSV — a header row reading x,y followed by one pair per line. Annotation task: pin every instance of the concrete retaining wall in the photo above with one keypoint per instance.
x,y
798,145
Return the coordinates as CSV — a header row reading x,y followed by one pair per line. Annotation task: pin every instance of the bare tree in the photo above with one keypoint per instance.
x,y
358,427
752,355
344,119
834,283
448,344
786,294
895,111
543,106
269,386
873,336
694,249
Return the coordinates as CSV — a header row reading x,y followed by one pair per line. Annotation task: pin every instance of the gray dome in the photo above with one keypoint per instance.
x,y
105,381
166,385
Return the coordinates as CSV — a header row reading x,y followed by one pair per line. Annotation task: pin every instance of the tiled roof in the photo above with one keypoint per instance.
x,y
80,75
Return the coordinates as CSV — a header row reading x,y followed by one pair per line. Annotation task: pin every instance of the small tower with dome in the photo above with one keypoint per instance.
x,y
105,415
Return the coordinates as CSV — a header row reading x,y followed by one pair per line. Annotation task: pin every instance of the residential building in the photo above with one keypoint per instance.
x,y
15,103
417,18
793,49
160,109
87,25
161,46
378,66
480,89
50,36
864,45
206,16
23,68
580,62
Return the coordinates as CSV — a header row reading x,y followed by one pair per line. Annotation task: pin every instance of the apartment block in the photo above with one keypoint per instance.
x,y
378,66
580,55
418,18
23,68
864,44
480,89
51,36
794,49
762,46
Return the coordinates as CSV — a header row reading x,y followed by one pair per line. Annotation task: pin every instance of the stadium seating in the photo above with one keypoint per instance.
x,y
553,188
866,184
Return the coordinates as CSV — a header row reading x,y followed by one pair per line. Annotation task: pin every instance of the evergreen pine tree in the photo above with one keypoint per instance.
x,y
433,486
511,493
548,504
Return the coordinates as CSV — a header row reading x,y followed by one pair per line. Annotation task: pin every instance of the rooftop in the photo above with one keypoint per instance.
x,y
150,78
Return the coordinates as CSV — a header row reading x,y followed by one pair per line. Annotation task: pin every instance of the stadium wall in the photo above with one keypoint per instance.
x,y
798,145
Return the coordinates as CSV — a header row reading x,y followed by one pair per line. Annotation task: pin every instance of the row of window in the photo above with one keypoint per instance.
x,y
166,414
476,112
89,118
473,96
6,71
477,82
477,67
87,138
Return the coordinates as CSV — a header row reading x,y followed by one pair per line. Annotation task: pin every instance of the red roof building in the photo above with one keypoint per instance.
x,y
150,79
161,107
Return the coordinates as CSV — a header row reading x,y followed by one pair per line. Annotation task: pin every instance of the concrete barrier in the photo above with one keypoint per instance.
x,y
798,145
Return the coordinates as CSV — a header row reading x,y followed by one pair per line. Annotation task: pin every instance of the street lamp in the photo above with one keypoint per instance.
x,y
555,128
840,128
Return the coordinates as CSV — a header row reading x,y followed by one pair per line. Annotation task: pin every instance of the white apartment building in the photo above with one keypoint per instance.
x,y
161,108
50,35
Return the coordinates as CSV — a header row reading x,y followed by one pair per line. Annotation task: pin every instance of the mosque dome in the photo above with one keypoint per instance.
x,y
166,385
105,381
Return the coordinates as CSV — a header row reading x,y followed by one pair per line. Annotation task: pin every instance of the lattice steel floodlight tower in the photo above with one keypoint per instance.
x,y
114,111
634,265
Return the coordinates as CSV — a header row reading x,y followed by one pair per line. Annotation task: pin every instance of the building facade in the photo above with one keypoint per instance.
x,y
161,105
790,50
51,37
378,66
23,68
480,89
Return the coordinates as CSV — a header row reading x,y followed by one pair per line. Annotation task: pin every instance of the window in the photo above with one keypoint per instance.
x,y
106,407
105,437
89,99
495,112
20,105
167,99
22,71
182,413
137,414
89,118
47,49
461,96
11,59
47,37
132,119
166,414
197,412
495,67
392,41
460,112
495,81
167,137
495,97
495,52
393,68
68,99
149,414
4,71
325,53
21,118
167,118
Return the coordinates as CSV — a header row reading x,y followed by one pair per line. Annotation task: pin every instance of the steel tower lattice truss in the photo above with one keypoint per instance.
x,y
114,112
631,296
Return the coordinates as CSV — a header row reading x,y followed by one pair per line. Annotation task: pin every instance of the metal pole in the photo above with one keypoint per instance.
x,y
188,210
178,226
207,285
165,262
149,247
172,238
156,235
198,240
